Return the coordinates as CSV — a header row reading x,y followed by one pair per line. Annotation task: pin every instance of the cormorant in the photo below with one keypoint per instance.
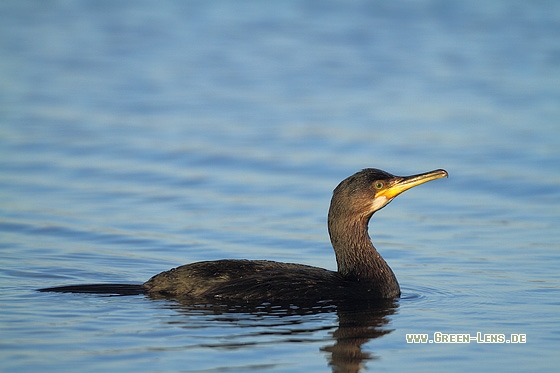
x,y
362,272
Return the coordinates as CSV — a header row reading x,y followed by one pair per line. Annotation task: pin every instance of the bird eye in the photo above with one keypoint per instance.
x,y
379,185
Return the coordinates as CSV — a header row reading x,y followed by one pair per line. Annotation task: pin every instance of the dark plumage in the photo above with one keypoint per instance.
x,y
362,273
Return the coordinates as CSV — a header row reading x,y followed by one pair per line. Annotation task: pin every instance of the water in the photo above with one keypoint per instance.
x,y
135,137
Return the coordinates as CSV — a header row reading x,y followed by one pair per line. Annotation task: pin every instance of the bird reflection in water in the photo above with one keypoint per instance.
x,y
356,324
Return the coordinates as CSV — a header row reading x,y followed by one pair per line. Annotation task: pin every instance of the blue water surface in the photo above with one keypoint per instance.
x,y
139,136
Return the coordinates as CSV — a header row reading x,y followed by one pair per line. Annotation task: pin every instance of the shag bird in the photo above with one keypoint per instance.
x,y
362,272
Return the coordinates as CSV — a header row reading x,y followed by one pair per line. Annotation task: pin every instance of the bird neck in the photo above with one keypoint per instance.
x,y
356,256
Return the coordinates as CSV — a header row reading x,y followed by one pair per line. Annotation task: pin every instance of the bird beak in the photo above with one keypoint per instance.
x,y
405,183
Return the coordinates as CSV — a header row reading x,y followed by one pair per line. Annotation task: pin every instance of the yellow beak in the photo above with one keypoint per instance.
x,y
405,183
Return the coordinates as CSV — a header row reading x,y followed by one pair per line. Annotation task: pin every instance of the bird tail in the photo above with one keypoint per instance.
x,y
110,289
